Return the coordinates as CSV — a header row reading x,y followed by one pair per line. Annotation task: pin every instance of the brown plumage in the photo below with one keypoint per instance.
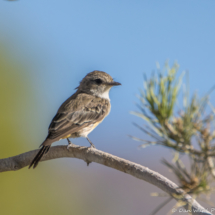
x,y
80,113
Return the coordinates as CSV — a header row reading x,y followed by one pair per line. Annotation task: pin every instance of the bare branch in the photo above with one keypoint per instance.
x,y
93,155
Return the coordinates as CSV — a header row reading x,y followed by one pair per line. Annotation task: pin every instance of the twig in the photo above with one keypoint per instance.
x,y
94,155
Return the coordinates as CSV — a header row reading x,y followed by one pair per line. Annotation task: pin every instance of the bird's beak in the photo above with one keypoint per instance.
x,y
114,83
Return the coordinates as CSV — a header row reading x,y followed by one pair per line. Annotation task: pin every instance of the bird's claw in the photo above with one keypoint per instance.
x,y
70,145
92,146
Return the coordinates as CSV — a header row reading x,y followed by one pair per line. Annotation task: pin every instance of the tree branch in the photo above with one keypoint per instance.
x,y
93,155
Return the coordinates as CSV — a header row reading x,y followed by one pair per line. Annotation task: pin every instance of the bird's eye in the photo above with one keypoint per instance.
x,y
98,81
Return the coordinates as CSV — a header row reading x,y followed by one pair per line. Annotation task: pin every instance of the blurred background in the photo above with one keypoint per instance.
x,y
46,48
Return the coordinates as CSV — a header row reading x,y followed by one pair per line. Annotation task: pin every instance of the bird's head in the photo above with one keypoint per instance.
x,y
97,83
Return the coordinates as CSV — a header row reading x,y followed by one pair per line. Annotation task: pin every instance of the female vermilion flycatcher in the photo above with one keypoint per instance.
x,y
81,112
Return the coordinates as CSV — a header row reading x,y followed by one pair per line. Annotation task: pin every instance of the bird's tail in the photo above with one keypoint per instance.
x,y
39,155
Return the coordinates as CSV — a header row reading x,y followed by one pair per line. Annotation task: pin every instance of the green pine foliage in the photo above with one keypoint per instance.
x,y
187,130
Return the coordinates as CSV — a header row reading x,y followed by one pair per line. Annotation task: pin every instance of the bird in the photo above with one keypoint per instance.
x,y
80,113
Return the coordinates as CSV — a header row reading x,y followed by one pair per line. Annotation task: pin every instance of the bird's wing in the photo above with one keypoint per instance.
x,y
77,113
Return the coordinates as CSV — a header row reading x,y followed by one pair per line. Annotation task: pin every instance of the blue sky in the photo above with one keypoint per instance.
x,y
64,40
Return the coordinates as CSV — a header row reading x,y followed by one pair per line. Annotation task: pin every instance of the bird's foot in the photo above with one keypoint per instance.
x,y
92,146
70,144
